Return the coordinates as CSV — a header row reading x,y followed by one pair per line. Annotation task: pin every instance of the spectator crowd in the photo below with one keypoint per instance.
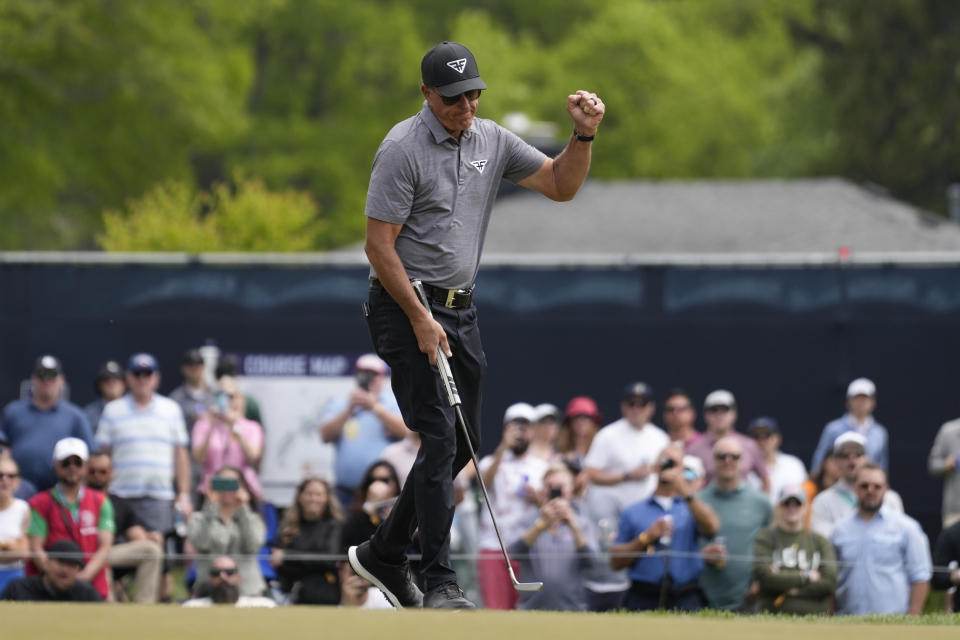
x,y
112,501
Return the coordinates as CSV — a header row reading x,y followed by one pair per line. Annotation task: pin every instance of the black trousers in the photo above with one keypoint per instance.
x,y
426,503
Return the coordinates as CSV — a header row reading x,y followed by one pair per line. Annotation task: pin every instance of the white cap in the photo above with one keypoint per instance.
x,y
794,491
371,362
719,398
861,387
695,464
520,411
545,410
849,437
70,447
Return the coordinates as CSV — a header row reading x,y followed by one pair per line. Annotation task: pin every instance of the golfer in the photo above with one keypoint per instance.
x,y
432,188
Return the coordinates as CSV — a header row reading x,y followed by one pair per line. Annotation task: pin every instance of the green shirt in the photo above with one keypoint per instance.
x,y
782,559
38,526
743,513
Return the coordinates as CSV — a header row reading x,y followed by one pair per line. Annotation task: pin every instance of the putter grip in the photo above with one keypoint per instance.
x,y
446,375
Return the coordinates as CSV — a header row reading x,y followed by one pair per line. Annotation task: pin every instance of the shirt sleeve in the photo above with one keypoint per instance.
x,y
104,435
37,526
597,457
391,190
107,521
523,159
178,427
627,530
919,565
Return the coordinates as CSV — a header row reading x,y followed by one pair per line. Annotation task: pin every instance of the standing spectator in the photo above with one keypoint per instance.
x,y
225,438
557,544
195,395
943,462
512,477
795,568
229,366
133,546
229,524
108,385
620,471
375,496
884,556
224,585
14,518
312,524
946,553
401,455
743,513
361,424
821,479
73,512
861,402
669,521
840,500
679,417
145,434
33,426
784,469
544,432
581,421
720,414
60,581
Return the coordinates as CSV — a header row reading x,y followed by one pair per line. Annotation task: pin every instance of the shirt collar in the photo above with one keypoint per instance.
x,y
440,134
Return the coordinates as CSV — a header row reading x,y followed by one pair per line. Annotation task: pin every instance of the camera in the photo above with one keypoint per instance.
x,y
555,492
364,378
667,463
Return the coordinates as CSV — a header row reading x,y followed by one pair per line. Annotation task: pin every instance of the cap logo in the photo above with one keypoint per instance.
x,y
458,65
479,165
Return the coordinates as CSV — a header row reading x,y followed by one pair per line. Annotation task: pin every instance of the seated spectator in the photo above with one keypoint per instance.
x,y
946,553
312,524
840,500
378,490
795,568
784,469
581,421
883,554
133,546
74,512
224,586
228,523
108,385
25,489
60,580
669,521
556,546
357,592
14,519
225,438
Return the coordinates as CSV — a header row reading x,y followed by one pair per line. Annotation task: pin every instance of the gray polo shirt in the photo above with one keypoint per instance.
x,y
442,192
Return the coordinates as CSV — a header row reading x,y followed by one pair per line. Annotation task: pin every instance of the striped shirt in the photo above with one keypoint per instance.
x,y
143,443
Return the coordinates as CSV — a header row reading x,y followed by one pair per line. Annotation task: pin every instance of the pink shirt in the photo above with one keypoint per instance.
x,y
223,450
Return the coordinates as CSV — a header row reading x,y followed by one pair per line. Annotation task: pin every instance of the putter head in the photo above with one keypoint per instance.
x,y
528,586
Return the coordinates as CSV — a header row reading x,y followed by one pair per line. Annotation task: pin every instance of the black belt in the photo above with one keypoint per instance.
x,y
450,298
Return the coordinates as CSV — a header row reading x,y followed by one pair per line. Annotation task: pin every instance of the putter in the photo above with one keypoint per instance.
x,y
453,397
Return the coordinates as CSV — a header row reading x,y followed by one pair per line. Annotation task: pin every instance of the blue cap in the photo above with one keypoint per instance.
x,y
142,362
763,422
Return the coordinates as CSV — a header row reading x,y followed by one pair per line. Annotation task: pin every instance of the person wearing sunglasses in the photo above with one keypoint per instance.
x,y
14,518
33,425
72,511
743,513
223,586
883,555
430,198
832,505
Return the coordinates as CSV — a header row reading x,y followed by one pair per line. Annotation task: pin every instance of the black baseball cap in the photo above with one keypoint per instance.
x,y
192,356
638,390
46,365
110,370
451,69
66,547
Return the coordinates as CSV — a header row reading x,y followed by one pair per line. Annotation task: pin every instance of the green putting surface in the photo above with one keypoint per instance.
x,y
73,621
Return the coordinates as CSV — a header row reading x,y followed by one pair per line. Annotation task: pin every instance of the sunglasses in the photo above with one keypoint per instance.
x,y
46,375
726,456
471,95
876,486
229,571
9,476
637,403
675,409
718,409
72,461
142,373
843,455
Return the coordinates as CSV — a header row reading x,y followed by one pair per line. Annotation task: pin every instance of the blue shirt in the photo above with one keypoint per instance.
x,y
684,568
876,435
878,561
362,440
32,434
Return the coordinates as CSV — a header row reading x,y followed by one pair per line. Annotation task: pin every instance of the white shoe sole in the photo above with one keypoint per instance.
x,y
366,575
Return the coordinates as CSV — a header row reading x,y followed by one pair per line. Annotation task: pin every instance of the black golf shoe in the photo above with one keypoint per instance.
x,y
395,580
447,596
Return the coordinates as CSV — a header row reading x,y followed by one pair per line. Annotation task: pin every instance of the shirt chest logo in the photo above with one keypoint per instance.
x,y
479,165
458,65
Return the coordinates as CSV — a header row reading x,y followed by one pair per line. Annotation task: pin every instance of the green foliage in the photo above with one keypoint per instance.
x,y
172,217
